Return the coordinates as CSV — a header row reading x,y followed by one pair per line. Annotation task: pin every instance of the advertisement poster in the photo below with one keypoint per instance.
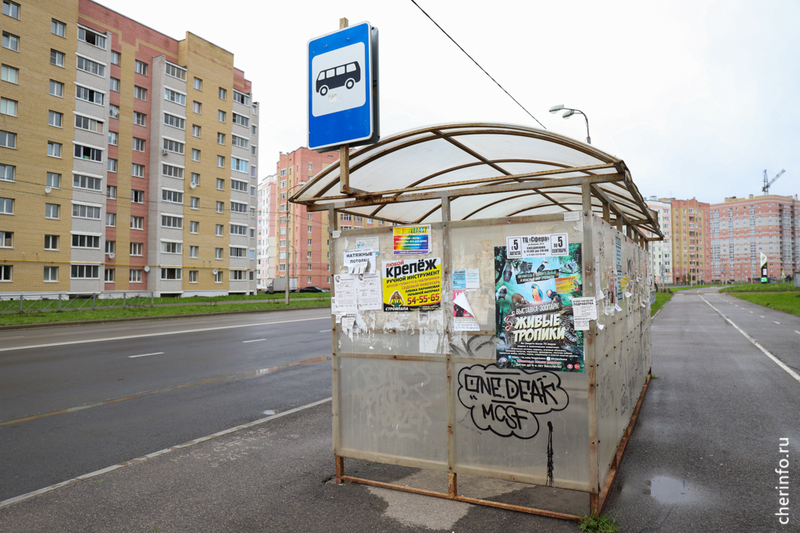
x,y
533,302
412,240
412,284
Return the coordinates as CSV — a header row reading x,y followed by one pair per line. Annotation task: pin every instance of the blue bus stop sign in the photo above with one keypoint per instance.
x,y
342,85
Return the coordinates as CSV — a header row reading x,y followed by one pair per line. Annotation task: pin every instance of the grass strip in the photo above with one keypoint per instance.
x,y
137,312
788,302
762,287
661,299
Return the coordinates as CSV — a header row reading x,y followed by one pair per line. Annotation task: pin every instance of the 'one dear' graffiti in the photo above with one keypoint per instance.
x,y
506,401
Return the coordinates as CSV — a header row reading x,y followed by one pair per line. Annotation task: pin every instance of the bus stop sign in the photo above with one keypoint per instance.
x,y
342,88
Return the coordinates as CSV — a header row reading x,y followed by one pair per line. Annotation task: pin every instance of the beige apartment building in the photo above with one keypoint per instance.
x,y
128,158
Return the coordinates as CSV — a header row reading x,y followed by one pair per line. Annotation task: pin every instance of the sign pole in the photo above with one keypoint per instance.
x,y
344,150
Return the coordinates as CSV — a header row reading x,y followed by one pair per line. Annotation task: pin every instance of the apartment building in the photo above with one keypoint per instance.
x,y
265,246
128,158
661,251
307,256
690,240
744,228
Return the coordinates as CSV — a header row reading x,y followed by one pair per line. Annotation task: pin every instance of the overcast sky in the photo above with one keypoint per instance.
x,y
698,97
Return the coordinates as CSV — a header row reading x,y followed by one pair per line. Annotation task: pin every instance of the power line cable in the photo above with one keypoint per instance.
x,y
478,64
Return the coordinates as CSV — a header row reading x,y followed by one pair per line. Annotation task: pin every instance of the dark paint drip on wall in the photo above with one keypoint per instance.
x,y
549,454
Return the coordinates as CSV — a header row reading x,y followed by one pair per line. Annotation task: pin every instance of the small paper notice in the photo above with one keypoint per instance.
x,y
345,300
572,215
368,289
584,310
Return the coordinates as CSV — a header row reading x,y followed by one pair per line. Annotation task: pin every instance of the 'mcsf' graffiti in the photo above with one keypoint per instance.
x,y
506,401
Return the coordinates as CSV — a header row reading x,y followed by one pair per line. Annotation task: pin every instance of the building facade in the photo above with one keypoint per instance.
x,y
129,158
265,253
661,251
691,241
307,256
744,228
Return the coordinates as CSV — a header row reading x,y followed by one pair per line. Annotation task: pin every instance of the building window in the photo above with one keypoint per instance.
x,y
137,222
197,107
50,210
87,182
7,172
238,252
116,58
137,170
171,247
113,138
220,138
220,207
50,273
239,165
237,229
8,107
114,85
221,161
111,220
86,211
238,207
90,37
137,248
140,119
58,28
218,230
111,247
113,111
87,152
174,121
172,171
6,239
237,185
139,93
112,165
85,272
194,226
137,197
241,142
193,251
168,221
193,273
54,180
138,144
109,275
218,276
173,146
195,154
86,241
174,96
241,98
241,120
169,195
9,74
197,84
196,131
53,149
220,184
57,88
140,67
88,124
195,202
11,42
217,253
92,67
90,95
221,115
223,93
135,276
175,71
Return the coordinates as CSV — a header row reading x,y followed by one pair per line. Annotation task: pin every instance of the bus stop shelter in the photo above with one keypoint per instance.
x,y
498,323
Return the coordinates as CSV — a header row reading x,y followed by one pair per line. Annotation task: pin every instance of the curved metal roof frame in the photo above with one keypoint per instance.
x,y
486,171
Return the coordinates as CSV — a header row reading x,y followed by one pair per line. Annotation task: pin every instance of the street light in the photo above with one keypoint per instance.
x,y
568,112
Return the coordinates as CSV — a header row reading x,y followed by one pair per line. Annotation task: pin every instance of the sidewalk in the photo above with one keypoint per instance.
x,y
702,458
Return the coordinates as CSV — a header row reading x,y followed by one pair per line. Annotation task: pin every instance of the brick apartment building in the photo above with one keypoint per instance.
x,y
661,251
128,158
690,242
744,228
307,257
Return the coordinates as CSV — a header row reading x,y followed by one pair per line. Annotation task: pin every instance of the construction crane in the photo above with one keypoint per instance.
x,y
765,188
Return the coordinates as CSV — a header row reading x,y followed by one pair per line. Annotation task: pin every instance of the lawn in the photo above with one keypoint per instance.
x,y
762,287
661,299
788,302
158,311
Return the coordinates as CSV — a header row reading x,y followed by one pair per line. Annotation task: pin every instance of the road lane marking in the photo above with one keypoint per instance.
x,y
762,316
777,322
751,312
798,332
144,335
777,361
144,355
102,471
324,331
245,375
253,340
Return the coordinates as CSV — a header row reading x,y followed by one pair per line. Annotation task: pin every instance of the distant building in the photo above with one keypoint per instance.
x,y
744,228
661,251
128,159
307,256
265,247
690,240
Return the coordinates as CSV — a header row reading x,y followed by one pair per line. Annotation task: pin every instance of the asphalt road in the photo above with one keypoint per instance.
x,y
78,399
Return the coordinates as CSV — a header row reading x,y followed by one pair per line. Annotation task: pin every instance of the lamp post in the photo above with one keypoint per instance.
x,y
568,112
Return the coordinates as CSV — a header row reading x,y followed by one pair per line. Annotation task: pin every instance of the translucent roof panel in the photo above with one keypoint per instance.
x,y
488,171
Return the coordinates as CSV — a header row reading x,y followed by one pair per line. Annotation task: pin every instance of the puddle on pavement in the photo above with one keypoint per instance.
x,y
668,490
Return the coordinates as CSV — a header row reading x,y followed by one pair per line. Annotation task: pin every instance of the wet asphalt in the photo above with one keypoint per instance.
x,y
718,419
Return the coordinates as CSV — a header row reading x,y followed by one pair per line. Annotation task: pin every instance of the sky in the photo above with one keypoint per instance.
x,y
697,97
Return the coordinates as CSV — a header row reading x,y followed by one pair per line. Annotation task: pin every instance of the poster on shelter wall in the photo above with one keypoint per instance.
x,y
534,315
412,284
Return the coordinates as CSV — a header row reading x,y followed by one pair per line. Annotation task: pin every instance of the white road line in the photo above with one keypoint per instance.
x,y
144,335
762,316
798,332
777,322
144,355
90,475
325,331
253,340
777,361
751,312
